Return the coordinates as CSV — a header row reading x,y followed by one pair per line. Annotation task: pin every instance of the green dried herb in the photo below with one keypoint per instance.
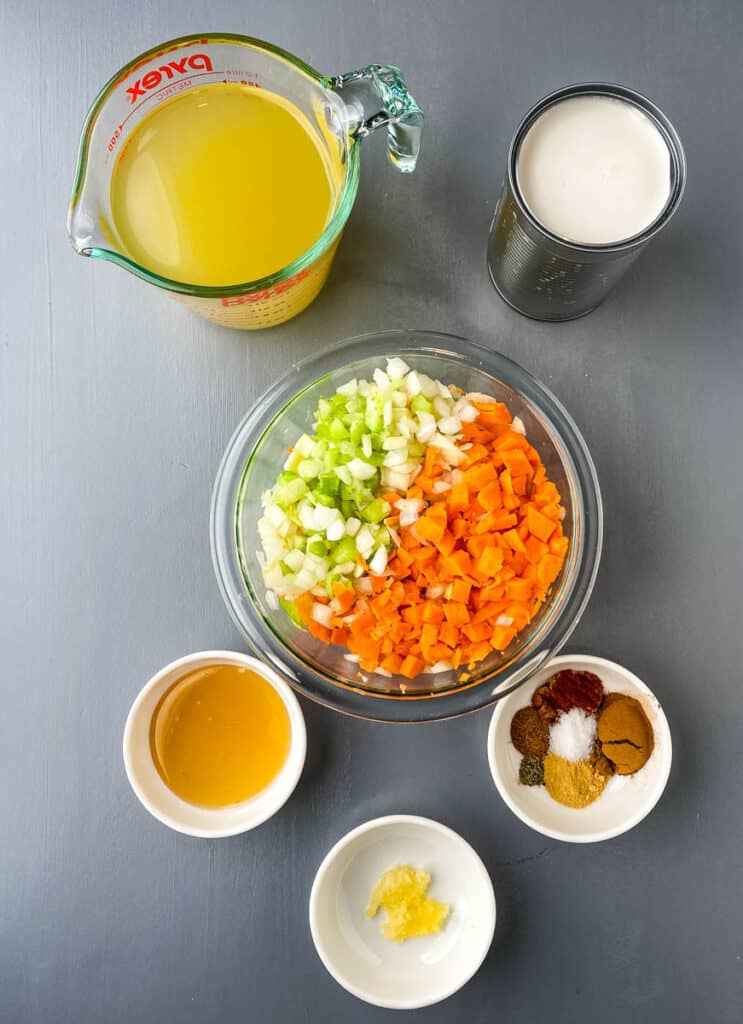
x,y
531,771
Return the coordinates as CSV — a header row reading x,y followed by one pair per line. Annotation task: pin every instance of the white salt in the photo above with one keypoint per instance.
x,y
573,734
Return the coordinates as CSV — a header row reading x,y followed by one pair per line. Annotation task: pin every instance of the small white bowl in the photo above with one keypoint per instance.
x,y
171,810
417,972
626,800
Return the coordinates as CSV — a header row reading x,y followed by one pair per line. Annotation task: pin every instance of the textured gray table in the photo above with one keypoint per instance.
x,y
115,406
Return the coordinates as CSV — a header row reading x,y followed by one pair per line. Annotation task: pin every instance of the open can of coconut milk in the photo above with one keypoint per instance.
x,y
594,172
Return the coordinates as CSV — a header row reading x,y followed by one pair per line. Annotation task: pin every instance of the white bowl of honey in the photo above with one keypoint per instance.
x,y
214,744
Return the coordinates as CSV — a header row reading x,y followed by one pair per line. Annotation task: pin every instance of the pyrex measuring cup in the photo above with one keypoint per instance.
x,y
340,110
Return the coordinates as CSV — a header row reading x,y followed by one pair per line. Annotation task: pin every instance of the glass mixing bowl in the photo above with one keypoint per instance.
x,y
255,456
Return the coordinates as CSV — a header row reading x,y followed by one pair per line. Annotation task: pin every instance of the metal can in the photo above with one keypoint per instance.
x,y
544,276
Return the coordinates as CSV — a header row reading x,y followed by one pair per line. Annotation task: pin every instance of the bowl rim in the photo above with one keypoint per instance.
x,y
324,868
279,789
358,701
599,835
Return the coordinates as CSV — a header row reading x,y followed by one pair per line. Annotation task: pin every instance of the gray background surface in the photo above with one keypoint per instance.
x,y
115,406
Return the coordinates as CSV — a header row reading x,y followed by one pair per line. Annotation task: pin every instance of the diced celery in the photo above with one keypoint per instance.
x,y
337,431
329,484
420,404
291,610
344,551
375,511
356,429
289,493
317,547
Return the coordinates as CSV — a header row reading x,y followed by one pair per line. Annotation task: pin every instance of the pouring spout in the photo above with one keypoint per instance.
x,y
375,97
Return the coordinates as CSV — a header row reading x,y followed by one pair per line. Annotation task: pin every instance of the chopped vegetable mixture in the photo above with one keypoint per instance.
x,y
416,527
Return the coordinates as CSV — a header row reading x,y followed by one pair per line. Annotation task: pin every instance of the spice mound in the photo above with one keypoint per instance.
x,y
401,891
625,734
574,737
573,783
530,733
568,689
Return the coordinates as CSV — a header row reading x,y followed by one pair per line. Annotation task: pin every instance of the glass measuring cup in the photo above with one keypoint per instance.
x,y
339,110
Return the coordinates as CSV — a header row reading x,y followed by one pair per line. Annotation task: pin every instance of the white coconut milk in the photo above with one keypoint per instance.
x,y
594,170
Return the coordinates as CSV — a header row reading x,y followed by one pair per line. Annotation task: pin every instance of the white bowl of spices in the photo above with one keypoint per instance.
x,y
582,752
214,744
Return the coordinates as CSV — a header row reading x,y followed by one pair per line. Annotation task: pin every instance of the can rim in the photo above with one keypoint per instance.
x,y
661,122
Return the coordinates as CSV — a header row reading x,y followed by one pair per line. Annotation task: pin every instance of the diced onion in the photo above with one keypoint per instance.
x,y
323,614
379,562
336,530
360,470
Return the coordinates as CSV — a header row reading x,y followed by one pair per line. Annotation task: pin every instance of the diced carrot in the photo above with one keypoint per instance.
x,y
559,545
429,529
449,634
502,637
412,666
413,614
549,569
535,548
456,613
429,635
480,476
519,562
477,631
513,540
519,589
362,622
503,521
391,663
476,652
459,527
459,497
490,561
490,496
510,439
345,596
433,612
539,525
446,543
459,562
517,463
461,591
430,462
476,454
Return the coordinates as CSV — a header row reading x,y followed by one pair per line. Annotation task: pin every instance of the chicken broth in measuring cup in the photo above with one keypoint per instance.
x,y
221,184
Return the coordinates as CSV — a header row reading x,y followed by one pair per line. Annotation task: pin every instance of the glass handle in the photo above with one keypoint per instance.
x,y
376,96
